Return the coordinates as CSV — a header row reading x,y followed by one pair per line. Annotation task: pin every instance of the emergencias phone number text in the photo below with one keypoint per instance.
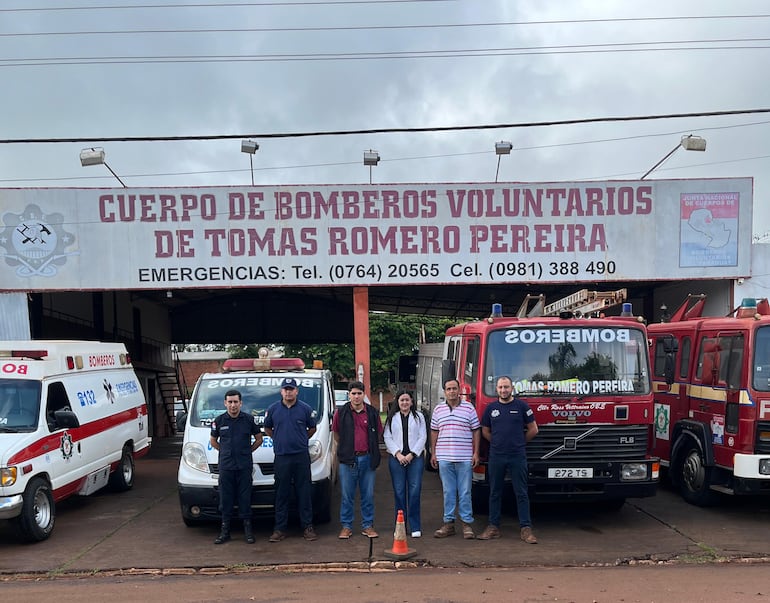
x,y
494,271
344,272
498,270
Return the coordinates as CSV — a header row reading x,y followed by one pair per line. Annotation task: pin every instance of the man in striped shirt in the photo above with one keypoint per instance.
x,y
455,435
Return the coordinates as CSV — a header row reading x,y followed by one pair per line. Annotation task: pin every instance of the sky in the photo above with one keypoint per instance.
x,y
78,69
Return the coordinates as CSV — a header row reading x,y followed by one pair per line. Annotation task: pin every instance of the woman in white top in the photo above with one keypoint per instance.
x,y
405,436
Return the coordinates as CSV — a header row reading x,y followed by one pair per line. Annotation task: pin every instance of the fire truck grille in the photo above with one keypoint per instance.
x,y
265,468
762,445
588,443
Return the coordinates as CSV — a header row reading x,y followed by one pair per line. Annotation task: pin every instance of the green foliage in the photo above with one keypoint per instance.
x,y
337,357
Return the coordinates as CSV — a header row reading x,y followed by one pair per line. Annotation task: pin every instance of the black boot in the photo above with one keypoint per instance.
x,y
249,535
224,534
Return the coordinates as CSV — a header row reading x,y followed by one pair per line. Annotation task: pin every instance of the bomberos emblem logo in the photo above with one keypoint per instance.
x,y
34,242
66,446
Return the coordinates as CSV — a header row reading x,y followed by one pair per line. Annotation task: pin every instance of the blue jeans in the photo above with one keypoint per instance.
x,y
292,469
496,469
357,476
456,480
407,485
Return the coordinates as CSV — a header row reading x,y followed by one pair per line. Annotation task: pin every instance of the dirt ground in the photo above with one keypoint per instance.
x,y
691,583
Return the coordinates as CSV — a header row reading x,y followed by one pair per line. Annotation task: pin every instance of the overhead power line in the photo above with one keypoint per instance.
x,y
333,28
267,135
665,45
212,5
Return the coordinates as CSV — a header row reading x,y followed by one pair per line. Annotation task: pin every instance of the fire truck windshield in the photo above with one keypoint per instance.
x,y
568,360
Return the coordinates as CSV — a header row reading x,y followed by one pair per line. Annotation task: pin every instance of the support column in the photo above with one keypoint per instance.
x,y
361,337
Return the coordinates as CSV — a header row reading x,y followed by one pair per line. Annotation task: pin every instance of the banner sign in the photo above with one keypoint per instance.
x,y
326,235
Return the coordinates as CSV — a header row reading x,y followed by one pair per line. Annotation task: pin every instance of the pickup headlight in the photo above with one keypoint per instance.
x,y
194,456
7,476
315,449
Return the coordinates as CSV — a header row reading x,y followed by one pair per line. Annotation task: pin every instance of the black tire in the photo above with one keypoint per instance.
x,y
694,477
122,478
38,511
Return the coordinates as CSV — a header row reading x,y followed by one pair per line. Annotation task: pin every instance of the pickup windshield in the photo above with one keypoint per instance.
x,y
568,360
257,393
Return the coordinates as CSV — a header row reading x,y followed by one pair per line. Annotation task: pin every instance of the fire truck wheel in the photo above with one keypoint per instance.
x,y
123,477
38,512
695,478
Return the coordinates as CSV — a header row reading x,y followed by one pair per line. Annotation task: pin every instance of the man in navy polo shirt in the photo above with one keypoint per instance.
x,y
508,424
231,435
291,424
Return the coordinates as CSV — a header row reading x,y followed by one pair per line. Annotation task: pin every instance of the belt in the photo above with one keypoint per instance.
x,y
364,453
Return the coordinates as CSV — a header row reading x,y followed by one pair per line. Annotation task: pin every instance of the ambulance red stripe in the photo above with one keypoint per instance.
x,y
52,442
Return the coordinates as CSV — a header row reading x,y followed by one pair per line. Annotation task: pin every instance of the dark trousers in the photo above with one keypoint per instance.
x,y
292,469
516,465
235,484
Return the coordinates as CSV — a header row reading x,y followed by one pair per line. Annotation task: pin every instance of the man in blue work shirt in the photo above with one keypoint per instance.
x,y
231,435
291,424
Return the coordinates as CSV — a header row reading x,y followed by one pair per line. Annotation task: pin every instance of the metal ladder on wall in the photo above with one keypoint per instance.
x,y
173,392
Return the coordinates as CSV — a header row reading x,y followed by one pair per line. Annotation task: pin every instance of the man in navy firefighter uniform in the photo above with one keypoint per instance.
x,y
231,435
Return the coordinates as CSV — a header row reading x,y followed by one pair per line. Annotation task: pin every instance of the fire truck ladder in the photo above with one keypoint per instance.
x,y
581,303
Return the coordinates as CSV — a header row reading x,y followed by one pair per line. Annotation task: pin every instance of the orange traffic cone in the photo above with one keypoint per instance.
x,y
400,549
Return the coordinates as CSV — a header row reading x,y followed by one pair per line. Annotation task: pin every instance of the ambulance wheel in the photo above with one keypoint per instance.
x,y
122,478
38,512
695,477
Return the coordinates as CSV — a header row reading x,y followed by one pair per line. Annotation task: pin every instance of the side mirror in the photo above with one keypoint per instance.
x,y
65,419
181,420
670,348
448,371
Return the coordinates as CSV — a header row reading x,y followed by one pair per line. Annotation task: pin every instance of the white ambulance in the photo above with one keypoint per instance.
x,y
259,381
72,420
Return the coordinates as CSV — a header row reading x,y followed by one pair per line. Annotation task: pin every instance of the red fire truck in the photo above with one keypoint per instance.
x,y
711,384
587,379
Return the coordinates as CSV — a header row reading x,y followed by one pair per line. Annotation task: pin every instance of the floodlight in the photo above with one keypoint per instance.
x,y
501,148
95,156
92,156
249,146
693,143
371,157
688,143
